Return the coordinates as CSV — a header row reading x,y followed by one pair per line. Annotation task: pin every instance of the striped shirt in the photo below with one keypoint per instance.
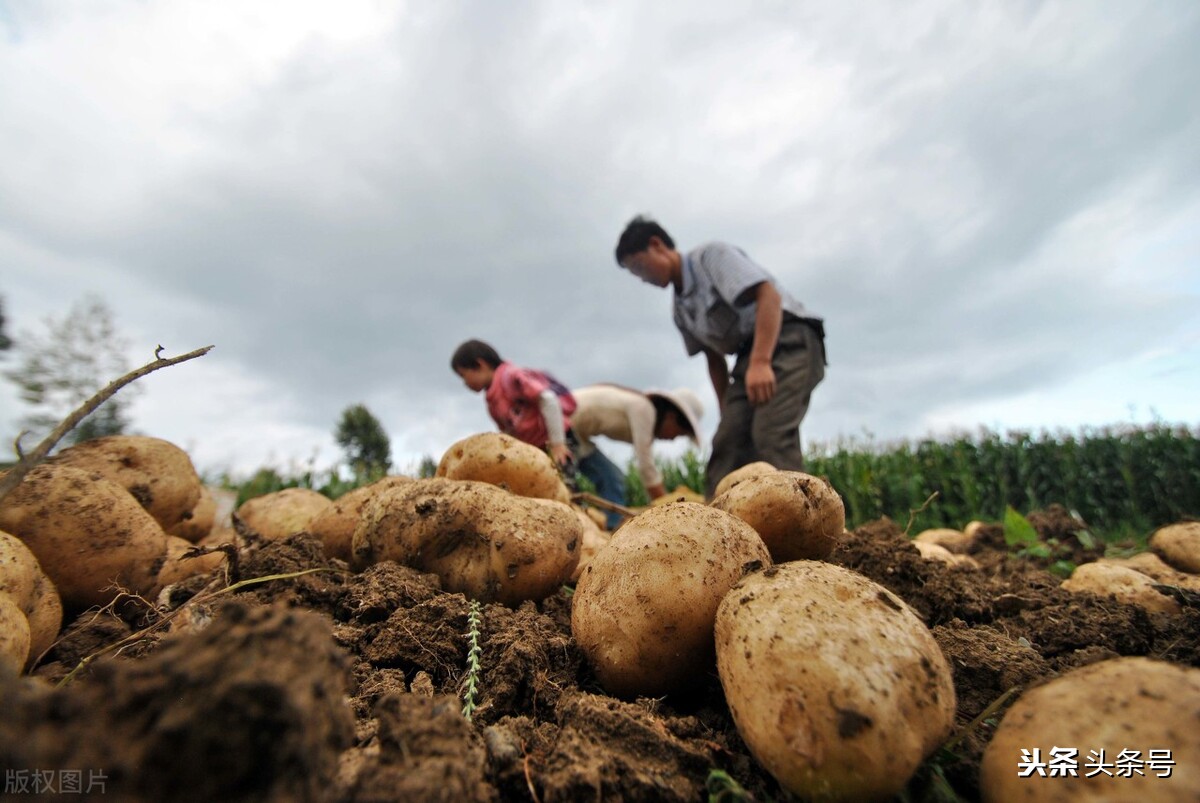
x,y
716,307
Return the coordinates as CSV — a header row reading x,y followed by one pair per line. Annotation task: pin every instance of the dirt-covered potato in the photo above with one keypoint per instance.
x,y
176,567
680,494
158,474
595,538
14,637
199,521
956,541
1157,570
1103,709
1120,583
478,538
835,684
282,513
87,533
643,608
931,551
335,524
22,579
738,474
1179,545
503,460
798,516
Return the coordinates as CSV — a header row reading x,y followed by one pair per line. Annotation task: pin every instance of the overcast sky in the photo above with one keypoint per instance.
x,y
995,205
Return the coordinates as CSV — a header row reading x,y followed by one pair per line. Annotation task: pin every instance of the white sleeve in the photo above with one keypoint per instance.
x,y
552,413
641,427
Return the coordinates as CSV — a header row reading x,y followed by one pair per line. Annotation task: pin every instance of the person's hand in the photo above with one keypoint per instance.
x,y
760,382
655,491
560,452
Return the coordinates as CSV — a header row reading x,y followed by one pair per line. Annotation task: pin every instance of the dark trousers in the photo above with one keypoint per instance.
x,y
769,432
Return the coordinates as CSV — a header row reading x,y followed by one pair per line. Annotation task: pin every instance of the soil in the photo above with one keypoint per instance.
x,y
336,686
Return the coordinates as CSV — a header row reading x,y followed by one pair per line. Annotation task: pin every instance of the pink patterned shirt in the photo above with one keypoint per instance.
x,y
512,401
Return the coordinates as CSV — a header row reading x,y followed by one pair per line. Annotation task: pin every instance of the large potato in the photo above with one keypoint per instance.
x,y
479,539
798,516
1179,545
595,538
1120,583
505,461
14,637
955,541
836,686
22,579
87,533
643,608
1157,570
158,474
282,513
744,473
1134,704
335,524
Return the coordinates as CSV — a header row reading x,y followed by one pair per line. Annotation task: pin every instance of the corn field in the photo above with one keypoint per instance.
x,y
1120,480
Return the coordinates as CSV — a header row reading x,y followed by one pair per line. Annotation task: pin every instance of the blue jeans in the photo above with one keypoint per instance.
x,y
609,481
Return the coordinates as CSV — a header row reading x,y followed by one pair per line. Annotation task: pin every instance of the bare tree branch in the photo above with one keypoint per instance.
x,y
27,461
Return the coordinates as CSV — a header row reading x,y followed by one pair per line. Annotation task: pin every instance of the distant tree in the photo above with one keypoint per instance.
x,y
368,451
5,340
427,468
61,369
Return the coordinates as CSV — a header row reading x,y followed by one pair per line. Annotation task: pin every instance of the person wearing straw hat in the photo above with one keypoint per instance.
x,y
631,416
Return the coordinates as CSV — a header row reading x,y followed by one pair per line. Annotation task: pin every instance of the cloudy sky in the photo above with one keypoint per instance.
x,y
994,205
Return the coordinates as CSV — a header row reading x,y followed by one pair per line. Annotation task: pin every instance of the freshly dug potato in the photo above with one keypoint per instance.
x,y
835,685
930,551
14,637
505,461
1115,705
595,538
680,494
479,539
972,528
1121,583
738,474
798,516
1179,545
282,513
199,521
955,541
643,608
158,473
22,579
335,524
87,533
1157,570
176,567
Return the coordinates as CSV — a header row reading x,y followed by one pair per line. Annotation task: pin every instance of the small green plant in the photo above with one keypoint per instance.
x,y
722,788
1021,537
471,682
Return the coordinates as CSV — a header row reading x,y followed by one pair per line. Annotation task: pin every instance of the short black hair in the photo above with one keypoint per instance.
x,y
636,237
471,352
662,406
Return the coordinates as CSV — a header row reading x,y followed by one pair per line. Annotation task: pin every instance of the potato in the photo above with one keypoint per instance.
x,y
1111,706
14,637
595,538
798,516
1120,583
198,522
955,541
479,539
1157,570
1179,545
158,473
835,685
738,474
505,461
282,513
22,579
973,527
335,524
176,567
87,533
643,608
680,494
930,551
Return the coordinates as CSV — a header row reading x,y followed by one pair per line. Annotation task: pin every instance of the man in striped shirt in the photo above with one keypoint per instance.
x,y
726,304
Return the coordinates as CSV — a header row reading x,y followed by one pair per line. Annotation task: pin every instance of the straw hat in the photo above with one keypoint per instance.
x,y
688,403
